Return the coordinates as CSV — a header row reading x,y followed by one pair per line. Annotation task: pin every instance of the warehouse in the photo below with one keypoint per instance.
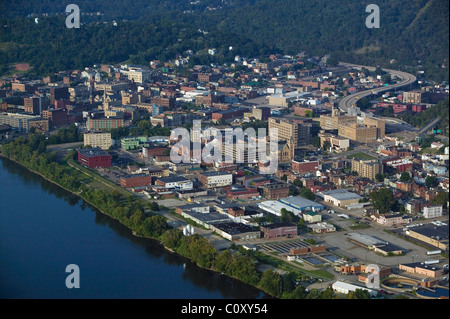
x,y
340,197
301,203
236,231
275,207
345,288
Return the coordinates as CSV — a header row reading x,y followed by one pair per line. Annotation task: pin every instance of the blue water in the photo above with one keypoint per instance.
x,y
439,292
44,228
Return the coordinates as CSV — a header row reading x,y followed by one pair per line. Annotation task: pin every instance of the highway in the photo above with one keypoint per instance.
x,y
351,99
429,125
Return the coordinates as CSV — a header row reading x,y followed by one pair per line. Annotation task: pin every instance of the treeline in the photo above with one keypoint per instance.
x,y
441,109
50,46
239,263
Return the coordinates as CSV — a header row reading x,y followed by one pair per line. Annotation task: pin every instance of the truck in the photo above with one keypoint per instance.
x,y
433,252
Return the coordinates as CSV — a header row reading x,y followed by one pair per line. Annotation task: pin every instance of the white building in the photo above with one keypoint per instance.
x,y
432,211
345,288
139,75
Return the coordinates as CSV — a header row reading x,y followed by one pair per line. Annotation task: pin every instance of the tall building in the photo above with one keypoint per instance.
x,y
98,139
103,124
300,132
336,120
359,133
59,93
367,168
32,105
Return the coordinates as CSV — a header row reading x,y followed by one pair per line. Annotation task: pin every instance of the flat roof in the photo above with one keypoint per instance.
x,y
429,230
208,218
365,239
300,202
214,173
233,228
275,207
173,179
341,194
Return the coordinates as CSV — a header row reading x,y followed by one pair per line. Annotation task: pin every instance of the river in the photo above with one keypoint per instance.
x,y
44,228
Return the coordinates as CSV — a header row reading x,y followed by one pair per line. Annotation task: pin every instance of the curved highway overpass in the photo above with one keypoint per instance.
x,y
351,99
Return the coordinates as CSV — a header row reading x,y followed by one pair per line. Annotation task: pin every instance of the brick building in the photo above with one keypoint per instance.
x,y
94,158
305,166
277,230
137,180
275,190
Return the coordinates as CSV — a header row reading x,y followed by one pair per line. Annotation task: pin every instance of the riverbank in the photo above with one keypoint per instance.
x,y
133,232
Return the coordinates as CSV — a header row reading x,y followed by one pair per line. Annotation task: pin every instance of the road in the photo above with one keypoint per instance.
x,y
350,100
429,125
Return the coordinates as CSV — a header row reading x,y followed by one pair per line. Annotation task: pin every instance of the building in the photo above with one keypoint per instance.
x,y
434,235
32,105
278,230
103,124
215,179
322,227
175,182
283,99
139,75
98,139
399,166
301,203
340,197
94,158
358,133
346,288
236,231
261,113
367,168
22,123
131,143
391,220
58,94
275,190
305,166
245,192
287,129
339,143
136,180
432,211
412,97
275,207
423,269
56,117
336,120
312,217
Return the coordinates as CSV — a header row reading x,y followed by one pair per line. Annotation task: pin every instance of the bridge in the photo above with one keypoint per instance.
x,y
351,99
424,129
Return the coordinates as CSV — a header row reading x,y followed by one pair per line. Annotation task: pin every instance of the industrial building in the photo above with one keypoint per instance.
x,y
340,197
301,203
345,288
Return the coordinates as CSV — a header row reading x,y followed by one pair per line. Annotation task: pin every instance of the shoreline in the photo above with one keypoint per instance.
x,y
133,233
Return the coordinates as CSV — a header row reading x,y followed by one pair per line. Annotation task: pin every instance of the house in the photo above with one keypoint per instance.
x,y
312,217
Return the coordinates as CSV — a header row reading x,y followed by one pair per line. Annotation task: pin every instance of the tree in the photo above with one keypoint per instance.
x,y
441,199
405,177
307,193
270,282
287,216
382,200
431,181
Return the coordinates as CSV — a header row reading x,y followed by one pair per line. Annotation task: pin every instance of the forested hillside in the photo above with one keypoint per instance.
x,y
413,35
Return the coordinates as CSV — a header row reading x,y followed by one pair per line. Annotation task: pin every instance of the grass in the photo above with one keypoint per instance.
x,y
358,225
362,156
